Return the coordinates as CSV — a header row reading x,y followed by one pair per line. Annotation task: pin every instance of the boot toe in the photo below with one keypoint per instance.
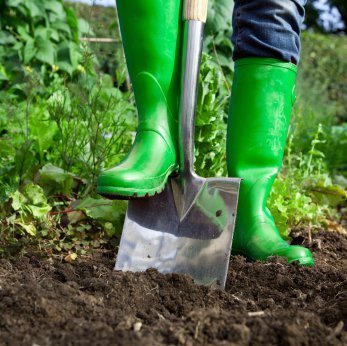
x,y
297,254
131,183
121,178
143,172
265,241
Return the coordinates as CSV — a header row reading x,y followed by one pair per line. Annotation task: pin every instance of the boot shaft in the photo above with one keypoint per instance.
x,y
152,38
261,104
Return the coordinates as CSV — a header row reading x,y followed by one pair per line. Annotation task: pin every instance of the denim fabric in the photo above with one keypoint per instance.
x,y
268,28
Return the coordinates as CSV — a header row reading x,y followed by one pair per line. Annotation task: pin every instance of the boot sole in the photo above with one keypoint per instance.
x,y
303,261
111,192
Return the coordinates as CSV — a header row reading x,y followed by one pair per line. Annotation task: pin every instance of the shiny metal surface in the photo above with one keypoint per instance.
x,y
193,34
199,244
188,228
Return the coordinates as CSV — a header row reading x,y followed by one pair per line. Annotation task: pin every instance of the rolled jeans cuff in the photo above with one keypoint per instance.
x,y
268,29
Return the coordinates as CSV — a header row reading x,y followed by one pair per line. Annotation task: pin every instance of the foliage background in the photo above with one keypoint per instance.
x,y
67,111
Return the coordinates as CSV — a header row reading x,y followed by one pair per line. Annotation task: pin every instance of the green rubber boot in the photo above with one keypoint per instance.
x,y
260,109
151,33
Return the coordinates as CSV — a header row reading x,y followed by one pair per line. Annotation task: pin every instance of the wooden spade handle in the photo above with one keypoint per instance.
x,y
195,10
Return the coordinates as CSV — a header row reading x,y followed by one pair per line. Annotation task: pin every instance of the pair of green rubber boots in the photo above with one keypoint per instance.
x,y
261,104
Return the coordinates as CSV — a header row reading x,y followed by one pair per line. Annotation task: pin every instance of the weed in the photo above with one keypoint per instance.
x,y
296,198
90,136
210,129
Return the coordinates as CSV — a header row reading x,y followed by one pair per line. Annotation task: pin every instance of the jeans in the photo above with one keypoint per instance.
x,y
268,28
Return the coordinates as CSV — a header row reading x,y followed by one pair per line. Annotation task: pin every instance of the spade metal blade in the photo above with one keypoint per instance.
x,y
197,243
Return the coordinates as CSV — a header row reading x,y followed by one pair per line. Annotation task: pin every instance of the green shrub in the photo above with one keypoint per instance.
x,y
107,56
304,195
322,87
217,40
38,35
71,121
55,147
94,124
322,98
211,119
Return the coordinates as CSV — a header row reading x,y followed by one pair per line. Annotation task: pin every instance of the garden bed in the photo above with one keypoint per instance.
x,y
51,302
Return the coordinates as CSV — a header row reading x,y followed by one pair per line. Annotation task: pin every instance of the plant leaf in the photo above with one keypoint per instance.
x,y
55,179
28,227
29,50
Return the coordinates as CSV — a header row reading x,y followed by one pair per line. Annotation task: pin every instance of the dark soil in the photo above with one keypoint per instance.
x,y
50,302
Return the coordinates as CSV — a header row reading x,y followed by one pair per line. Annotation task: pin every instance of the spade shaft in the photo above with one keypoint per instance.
x,y
193,33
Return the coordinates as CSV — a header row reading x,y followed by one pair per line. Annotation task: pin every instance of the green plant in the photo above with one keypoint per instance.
x,y
83,224
73,226
82,128
210,129
61,123
217,41
93,121
321,87
335,152
304,194
38,35
109,56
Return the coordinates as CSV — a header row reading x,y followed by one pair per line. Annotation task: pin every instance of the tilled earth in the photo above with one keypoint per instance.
x,y
50,302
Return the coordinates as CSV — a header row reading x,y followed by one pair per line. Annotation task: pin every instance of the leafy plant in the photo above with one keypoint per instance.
x,y
80,128
336,148
305,194
38,34
217,41
321,87
108,57
210,129
90,136
62,122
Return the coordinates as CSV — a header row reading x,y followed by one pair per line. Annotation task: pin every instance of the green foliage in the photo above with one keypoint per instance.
x,y
214,91
62,132
219,15
55,149
102,20
110,213
40,35
59,222
323,72
31,202
322,98
336,149
89,133
217,42
63,120
29,208
56,180
305,194
210,128
108,56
